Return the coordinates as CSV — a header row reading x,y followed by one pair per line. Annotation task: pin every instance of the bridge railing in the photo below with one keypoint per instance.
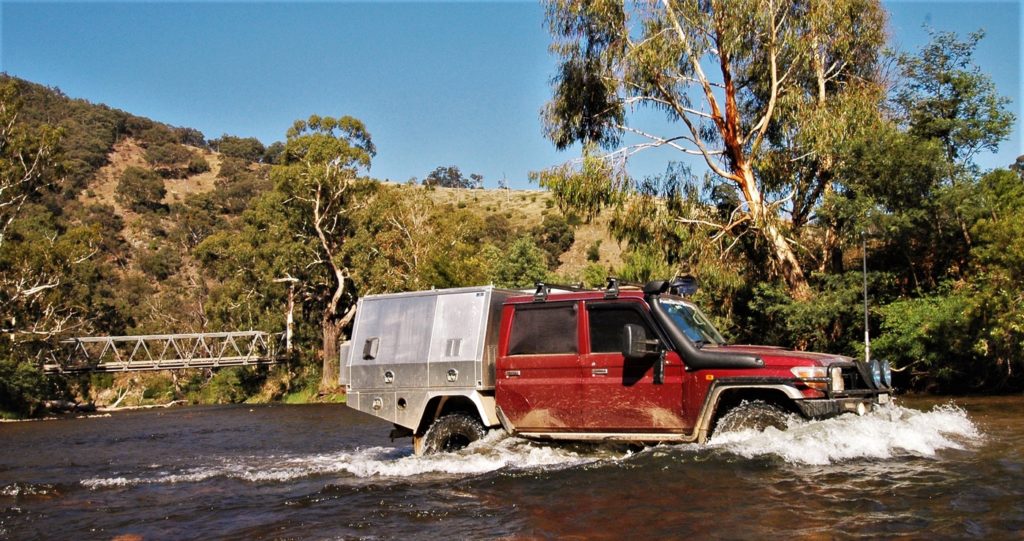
x,y
162,352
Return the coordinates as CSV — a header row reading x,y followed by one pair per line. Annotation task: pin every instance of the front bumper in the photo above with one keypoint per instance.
x,y
824,408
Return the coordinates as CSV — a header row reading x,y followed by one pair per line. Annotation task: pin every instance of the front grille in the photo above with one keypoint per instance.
x,y
853,382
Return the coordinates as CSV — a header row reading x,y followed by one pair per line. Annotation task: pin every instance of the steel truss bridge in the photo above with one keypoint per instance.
x,y
162,352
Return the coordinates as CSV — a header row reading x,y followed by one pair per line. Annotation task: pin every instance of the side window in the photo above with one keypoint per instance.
x,y
607,322
543,329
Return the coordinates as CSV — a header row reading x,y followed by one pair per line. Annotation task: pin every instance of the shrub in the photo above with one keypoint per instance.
x,y
161,263
141,190
198,164
555,237
594,251
248,149
273,153
643,264
521,265
595,275
170,159
232,167
190,136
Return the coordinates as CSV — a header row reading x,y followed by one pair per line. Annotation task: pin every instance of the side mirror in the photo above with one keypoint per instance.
x,y
635,344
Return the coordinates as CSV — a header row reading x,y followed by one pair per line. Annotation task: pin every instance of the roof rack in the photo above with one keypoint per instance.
x,y
612,290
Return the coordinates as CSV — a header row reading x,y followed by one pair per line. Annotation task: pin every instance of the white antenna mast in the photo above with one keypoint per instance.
x,y
867,329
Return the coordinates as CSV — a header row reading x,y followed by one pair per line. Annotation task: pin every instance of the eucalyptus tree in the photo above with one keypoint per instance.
x,y
318,172
945,96
736,81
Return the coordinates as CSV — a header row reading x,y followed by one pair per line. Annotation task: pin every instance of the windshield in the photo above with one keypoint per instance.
x,y
689,319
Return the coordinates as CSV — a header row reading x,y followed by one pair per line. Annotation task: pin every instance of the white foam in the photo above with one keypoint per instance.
x,y
26,489
492,453
888,432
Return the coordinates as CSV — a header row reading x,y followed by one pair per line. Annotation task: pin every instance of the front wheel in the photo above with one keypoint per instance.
x,y
755,415
452,432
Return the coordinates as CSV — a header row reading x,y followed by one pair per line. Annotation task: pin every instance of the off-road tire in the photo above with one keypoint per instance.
x,y
753,415
452,432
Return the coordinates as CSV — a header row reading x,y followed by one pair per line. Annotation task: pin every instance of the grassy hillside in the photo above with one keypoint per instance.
x,y
156,211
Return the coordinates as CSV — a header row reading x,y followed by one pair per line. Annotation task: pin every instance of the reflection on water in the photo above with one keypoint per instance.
x,y
328,472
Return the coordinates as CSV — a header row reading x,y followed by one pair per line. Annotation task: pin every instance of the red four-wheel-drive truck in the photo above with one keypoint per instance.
x,y
637,365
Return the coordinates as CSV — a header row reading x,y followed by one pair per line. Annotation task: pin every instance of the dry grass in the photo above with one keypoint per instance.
x,y
128,153
178,188
524,209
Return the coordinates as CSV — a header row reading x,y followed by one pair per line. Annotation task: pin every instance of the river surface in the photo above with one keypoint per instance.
x,y
918,469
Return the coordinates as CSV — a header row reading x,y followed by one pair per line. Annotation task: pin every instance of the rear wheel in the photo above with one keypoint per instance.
x,y
755,415
452,432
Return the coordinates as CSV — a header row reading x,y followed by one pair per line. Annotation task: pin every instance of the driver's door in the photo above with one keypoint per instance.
x,y
619,393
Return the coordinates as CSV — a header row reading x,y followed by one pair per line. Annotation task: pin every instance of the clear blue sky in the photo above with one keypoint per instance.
x,y
436,83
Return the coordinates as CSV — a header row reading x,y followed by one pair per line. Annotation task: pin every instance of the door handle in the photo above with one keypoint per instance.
x,y
599,372
511,373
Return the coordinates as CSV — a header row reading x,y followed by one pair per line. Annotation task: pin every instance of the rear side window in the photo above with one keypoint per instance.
x,y
543,330
607,323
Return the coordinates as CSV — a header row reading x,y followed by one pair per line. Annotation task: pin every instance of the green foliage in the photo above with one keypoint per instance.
x,y
451,177
190,136
101,380
317,177
169,158
595,275
22,385
555,236
245,259
498,229
152,134
160,263
273,153
196,218
832,321
594,251
227,386
522,265
643,264
945,97
406,242
916,330
141,190
586,189
247,149
197,164
236,185
159,389
966,335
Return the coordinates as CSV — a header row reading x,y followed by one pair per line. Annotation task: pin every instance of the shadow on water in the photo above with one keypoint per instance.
x,y
328,472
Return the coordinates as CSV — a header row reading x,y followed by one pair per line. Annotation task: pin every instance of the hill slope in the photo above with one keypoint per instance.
x,y
133,224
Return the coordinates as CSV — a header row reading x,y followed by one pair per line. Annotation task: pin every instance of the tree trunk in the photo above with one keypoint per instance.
x,y
786,260
331,368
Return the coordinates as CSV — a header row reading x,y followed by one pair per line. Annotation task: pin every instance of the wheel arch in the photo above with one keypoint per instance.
x,y
725,396
473,403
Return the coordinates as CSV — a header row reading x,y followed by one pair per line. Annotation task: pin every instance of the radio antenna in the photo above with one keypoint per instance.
x,y
867,328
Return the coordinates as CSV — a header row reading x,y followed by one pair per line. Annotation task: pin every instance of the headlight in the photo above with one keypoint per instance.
x,y
887,374
876,374
836,375
815,377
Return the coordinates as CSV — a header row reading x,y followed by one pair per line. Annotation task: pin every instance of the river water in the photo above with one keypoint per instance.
x,y
921,468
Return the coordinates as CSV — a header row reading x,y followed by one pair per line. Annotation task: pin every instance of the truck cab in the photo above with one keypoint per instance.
x,y
639,365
